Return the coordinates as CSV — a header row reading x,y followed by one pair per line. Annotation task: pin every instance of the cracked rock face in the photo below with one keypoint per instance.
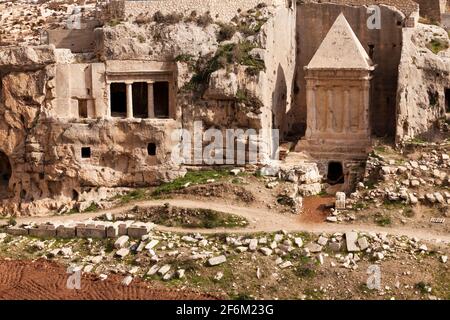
x,y
423,77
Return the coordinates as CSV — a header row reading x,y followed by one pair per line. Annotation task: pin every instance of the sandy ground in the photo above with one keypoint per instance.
x,y
45,280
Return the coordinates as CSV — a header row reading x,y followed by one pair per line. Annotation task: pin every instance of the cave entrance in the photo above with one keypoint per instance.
x,y
5,174
118,100
335,173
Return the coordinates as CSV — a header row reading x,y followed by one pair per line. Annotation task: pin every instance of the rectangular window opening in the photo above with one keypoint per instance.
x,y
161,99
118,98
85,152
140,100
151,149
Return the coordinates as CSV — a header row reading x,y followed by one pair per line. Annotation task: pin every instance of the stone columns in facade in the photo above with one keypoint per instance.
x,y
129,99
150,100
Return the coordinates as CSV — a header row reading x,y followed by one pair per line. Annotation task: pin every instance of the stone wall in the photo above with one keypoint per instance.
x,y
223,10
408,7
386,43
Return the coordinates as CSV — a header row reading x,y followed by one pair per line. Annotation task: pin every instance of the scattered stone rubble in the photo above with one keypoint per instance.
x,y
153,254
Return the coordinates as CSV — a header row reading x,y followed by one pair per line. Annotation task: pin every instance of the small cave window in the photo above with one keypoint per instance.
x,y
75,195
151,149
85,152
335,173
118,99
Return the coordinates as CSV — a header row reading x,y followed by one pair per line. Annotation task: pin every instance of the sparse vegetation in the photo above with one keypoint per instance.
x,y
92,207
226,32
383,220
437,45
170,18
225,56
191,178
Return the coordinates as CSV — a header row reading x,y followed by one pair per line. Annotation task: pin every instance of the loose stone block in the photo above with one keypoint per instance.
x,y
340,201
17,231
66,231
121,242
91,231
43,231
217,260
137,230
350,238
123,227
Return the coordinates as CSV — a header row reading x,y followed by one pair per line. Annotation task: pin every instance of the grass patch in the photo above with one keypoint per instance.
x,y
306,268
92,207
193,178
393,205
437,45
138,194
383,221
188,218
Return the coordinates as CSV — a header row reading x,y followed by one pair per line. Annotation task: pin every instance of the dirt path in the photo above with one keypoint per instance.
x,y
260,220
46,280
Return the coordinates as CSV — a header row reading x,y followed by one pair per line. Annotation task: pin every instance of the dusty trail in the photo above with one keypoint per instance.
x,y
260,220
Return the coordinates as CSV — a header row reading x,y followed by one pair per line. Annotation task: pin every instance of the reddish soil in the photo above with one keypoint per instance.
x,y
45,280
314,208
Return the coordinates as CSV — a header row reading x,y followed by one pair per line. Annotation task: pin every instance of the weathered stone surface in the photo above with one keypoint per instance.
x,y
217,260
351,238
121,242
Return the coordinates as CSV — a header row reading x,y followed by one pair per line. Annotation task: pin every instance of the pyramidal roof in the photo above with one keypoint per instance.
x,y
341,49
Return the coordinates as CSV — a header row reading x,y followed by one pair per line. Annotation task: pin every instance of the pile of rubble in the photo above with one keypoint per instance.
x,y
409,181
165,254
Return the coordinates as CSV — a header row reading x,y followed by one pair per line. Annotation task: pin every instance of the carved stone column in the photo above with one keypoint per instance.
x,y
129,100
150,99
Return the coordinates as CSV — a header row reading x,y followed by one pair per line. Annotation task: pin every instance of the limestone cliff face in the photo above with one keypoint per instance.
x,y
48,171
423,77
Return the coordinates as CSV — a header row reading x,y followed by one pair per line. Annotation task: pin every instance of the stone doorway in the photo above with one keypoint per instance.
x,y
5,174
335,173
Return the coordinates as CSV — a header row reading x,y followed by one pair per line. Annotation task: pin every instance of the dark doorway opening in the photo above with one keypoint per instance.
x,y
371,51
447,100
118,98
140,100
335,173
161,99
85,152
5,173
151,149
82,108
